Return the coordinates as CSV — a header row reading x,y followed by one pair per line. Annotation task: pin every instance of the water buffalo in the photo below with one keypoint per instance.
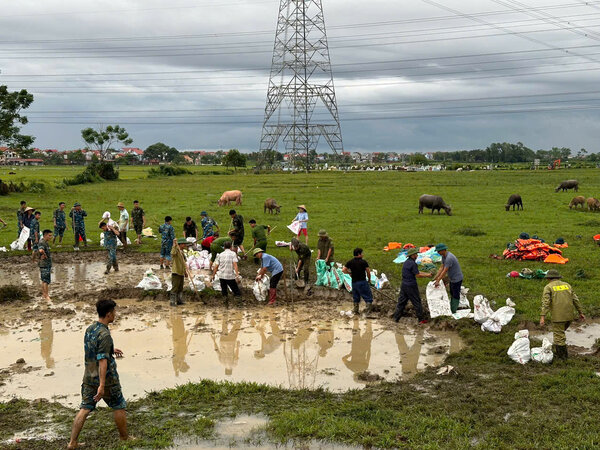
x,y
593,204
271,204
566,185
577,201
433,202
514,200
230,196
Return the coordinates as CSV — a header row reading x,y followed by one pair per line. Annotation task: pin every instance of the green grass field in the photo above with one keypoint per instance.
x,y
492,403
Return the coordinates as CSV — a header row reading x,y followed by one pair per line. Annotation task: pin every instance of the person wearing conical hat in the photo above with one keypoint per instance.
x,y
123,223
560,301
302,217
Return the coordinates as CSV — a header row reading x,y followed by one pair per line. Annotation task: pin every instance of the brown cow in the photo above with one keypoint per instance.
x,y
271,204
577,201
593,204
230,196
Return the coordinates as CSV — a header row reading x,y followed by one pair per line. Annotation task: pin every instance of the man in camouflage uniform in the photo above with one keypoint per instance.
x,y
167,233
20,215
110,243
138,217
100,379
560,300
208,225
78,215
34,232
237,233
60,222
45,263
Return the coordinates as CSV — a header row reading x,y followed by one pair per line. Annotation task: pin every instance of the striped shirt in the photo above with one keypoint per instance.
x,y
225,261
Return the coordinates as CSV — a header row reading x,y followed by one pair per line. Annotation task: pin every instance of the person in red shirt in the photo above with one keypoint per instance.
x,y
209,240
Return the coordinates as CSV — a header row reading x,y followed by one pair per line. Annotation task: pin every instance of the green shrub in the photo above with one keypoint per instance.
x,y
167,171
94,173
470,231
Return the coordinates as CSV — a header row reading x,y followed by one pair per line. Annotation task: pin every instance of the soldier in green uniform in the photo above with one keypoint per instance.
x,y
110,243
259,234
304,254
78,215
60,223
217,246
560,300
20,215
34,231
45,263
138,217
100,378
237,233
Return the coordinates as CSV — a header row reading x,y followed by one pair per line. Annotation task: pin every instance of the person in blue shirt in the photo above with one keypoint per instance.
x,y
269,264
302,217
450,267
409,290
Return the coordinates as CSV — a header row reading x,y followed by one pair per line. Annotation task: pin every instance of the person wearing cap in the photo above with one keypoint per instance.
x,y
225,268
59,217
123,223
20,217
216,247
560,301
259,234
138,218
178,271
237,233
111,232
269,264
167,235
358,268
304,254
190,229
325,247
302,217
34,233
208,224
451,267
409,290
27,219
78,215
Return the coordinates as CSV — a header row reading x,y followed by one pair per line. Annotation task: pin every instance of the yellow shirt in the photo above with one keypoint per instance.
x,y
560,300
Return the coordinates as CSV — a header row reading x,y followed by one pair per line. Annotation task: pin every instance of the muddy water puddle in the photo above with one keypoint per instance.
x,y
580,334
170,347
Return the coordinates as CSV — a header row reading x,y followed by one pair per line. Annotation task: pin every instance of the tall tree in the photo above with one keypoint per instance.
x,y
103,138
234,159
11,105
161,152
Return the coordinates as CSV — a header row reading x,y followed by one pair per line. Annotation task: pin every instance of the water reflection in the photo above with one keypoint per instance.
x,y
325,338
46,340
360,352
409,356
272,342
180,342
228,347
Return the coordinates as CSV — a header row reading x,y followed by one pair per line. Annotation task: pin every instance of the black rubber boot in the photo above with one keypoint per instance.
x,y
369,308
108,266
562,352
454,302
356,309
173,298
116,267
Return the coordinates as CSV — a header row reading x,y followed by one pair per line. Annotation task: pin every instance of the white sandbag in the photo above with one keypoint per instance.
x,y
464,301
282,244
382,282
261,288
19,244
197,283
150,282
499,319
492,325
509,302
481,309
463,314
3,249
119,243
544,353
437,300
294,227
519,350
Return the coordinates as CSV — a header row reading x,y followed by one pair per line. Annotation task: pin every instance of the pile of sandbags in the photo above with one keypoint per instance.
x,y
197,260
520,352
149,282
491,320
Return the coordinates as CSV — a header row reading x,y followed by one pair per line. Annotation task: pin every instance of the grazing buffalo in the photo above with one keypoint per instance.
x,y
433,202
230,196
514,200
271,204
577,201
566,185
593,204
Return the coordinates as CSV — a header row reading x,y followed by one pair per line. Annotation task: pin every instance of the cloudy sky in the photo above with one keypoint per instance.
x,y
415,75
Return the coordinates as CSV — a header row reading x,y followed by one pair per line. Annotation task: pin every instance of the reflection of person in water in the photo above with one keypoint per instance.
x,y
271,343
409,357
46,338
228,347
180,343
325,339
360,353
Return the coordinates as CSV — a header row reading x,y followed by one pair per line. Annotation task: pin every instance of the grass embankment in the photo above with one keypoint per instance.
x,y
491,403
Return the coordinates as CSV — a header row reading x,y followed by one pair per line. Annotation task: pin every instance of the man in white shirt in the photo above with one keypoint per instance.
x,y
226,268
123,224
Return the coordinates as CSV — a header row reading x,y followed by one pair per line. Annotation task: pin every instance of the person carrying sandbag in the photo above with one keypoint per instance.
x,y
559,299
450,267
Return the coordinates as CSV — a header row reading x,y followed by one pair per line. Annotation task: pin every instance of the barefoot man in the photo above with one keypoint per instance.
x,y
100,379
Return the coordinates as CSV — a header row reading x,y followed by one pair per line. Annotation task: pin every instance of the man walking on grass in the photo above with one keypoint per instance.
x,y
226,268
138,217
78,216
560,301
361,274
110,243
45,263
451,267
409,290
60,223
100,378
178,271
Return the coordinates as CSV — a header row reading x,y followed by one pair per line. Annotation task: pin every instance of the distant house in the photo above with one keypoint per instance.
x,y
138,152
25,161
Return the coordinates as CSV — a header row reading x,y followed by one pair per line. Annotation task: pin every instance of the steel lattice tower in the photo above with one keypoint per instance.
x,y
301,105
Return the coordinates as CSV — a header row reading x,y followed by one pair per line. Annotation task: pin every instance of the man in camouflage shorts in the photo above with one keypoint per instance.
x,y
60,222
100,379
138,217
